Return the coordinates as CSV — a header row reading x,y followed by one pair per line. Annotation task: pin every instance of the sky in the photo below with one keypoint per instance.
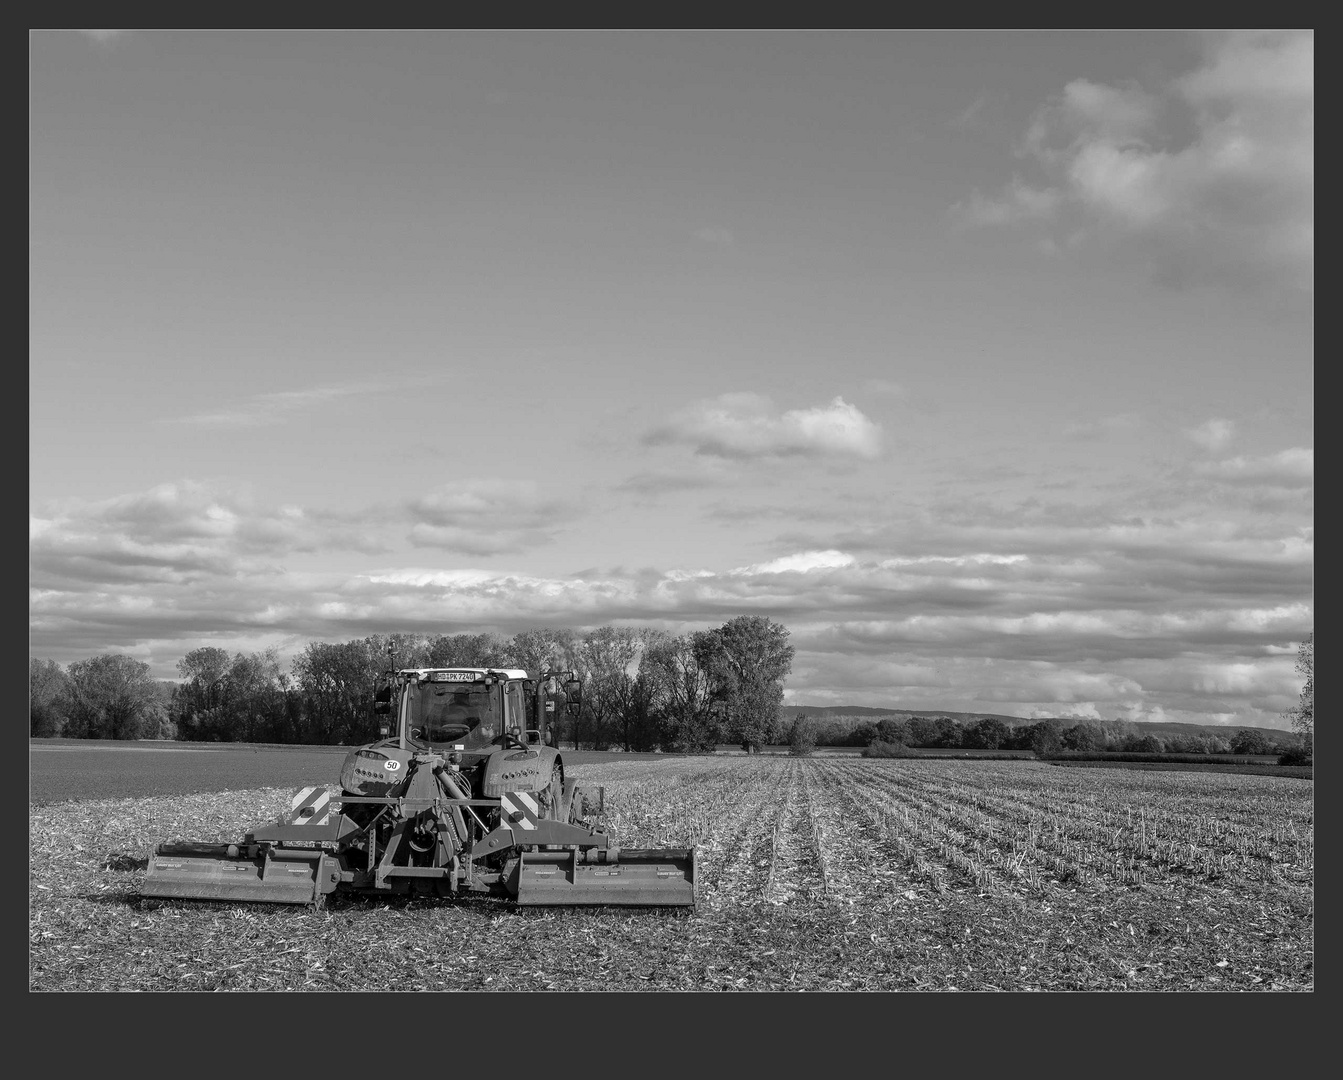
x,y
981,361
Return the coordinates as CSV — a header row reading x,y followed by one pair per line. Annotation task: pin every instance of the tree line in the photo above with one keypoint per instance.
x,y
1043,737
643,689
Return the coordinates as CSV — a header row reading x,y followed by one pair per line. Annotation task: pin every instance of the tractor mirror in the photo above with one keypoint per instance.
x,y
573,693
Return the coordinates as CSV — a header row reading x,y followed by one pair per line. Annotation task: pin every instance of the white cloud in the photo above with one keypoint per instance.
x,y
746,426
1027,609
1294,466
486,517
1231,204
801,563
1018,203
1214,434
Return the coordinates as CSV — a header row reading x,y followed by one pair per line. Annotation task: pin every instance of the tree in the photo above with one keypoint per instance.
x,y
1044,738
683,693
891,729
947,732
336,683
639,726
114,697
1250,741
748,658
1303,716
47,692
1084,735
990,733
802,739
200,696
536,650
603,656
468,650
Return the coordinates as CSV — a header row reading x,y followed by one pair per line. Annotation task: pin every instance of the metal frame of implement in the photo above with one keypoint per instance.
x,y
553,863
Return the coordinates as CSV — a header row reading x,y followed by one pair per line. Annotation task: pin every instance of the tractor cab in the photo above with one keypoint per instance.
x,y
477,709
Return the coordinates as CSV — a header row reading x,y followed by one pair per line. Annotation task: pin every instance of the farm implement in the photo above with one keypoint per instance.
x,y
468,797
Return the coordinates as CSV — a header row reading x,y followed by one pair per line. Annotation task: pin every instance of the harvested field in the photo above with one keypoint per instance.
x,y
823,874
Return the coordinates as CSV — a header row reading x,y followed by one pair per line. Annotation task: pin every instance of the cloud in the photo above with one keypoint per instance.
x,y
1294,467
960,606
801,563
746,426
655,482
1018,203
275,408
1213,434
487,517
1230,204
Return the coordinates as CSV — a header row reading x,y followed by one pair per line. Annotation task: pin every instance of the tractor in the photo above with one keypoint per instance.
x,y
463,793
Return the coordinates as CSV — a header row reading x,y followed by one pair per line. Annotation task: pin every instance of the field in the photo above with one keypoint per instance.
x,y
821,874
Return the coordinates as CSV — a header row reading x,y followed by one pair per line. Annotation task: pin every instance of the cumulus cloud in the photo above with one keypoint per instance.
x,y
1294,467
1232,203
1213,435
747,426
801,563
1030,610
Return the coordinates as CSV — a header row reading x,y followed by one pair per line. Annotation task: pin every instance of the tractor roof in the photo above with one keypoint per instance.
x,y
508,673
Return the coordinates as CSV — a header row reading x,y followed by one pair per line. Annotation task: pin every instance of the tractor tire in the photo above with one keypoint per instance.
x,y
551,799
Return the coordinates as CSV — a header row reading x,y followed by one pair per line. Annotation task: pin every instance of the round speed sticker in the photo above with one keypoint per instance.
x,y
391,765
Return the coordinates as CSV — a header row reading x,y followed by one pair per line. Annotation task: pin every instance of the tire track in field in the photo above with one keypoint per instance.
x,y
935,843
736,867
796,871
886,856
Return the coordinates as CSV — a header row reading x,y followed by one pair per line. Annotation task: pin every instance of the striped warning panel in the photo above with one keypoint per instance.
x,y
311,806
519,809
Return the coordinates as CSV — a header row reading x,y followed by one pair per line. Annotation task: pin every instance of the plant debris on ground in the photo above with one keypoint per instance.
x,y
814,874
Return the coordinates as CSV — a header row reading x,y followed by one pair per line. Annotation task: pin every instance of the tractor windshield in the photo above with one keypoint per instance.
x,y
445,713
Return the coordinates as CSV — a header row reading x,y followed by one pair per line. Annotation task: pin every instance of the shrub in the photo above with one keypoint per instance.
x,y
802,739
879,749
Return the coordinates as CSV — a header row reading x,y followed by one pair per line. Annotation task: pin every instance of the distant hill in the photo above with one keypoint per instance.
x,y
865,712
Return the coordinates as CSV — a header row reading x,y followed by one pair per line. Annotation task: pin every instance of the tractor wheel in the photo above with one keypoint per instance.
x,y
572,807
551,798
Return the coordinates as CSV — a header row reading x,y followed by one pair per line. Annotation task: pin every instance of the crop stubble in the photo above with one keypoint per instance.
x,y
814,874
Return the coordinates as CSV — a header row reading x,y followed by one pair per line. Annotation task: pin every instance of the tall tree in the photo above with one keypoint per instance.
x,y
337,682
1303,716
603,656
47,693
535,650
200,696
748,658
114,697
683,691
467,650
